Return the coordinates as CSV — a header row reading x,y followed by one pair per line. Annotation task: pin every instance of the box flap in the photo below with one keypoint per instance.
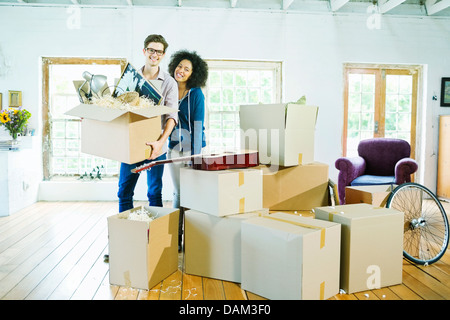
x,y
300,117
94,112
162,249
270,116
154,111
127,244
357,211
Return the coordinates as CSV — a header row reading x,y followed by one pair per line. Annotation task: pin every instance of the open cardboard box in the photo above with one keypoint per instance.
x,y
119,134
282,133
141,253
376,195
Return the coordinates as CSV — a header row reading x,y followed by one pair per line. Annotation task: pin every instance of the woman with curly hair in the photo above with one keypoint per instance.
x,y
188,138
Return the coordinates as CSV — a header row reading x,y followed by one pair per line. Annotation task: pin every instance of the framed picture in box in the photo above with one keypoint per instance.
x,y
132,80
445,92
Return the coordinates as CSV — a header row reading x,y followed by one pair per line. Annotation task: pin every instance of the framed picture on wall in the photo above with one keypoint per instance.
x,y
15,98
445,92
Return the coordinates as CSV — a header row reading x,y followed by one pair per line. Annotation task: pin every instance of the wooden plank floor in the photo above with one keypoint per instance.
x,y
54,250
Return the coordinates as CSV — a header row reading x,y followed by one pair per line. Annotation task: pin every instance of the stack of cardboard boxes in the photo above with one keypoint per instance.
x,y
354,247
229,236
229,233
284,136
141,253
218,202
286,256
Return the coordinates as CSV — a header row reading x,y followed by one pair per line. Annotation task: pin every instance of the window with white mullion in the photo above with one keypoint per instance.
x,y
65,156
235,83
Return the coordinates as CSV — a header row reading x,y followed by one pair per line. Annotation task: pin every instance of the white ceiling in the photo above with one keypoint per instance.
x,y
432,8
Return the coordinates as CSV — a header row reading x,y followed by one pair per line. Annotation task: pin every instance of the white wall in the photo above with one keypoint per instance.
x,y
313,48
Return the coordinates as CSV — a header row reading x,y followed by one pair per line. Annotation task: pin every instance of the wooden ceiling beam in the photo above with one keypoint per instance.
x,y
287,4
337,4
389,5
434,7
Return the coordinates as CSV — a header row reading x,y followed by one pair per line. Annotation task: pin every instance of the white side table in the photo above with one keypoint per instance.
x,y
17,176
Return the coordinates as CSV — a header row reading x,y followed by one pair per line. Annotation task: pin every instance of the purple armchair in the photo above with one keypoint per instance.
x,y
380,161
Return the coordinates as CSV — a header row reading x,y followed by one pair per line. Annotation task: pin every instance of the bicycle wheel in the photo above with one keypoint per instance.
x,y
426,228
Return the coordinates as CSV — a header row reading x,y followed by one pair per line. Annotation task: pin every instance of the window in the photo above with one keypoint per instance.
x,y
231,84
379,102
62,155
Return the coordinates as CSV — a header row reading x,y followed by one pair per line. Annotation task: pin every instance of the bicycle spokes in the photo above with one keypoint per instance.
x,y
426,229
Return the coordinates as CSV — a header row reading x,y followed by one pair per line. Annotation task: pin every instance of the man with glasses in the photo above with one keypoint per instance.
x,y
155,47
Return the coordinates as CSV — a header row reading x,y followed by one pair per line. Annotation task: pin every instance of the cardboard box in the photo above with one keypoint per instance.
x,y
223,192
141,254
375,195
119,134
295,188
213,244
290,257
282,133
372,245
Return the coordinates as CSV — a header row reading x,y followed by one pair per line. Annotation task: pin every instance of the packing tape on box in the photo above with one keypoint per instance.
x,y
242,205
127,278
261,213
241,200
322,290
241,178
304,225
331,215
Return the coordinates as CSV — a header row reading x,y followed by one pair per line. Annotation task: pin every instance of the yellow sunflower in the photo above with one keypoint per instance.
x,y
5,118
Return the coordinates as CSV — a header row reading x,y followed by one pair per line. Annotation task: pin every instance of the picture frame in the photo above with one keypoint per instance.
x,y
445,92
1,101
15,98
132,80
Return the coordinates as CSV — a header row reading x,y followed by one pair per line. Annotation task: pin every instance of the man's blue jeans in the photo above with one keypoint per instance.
x,y
128,180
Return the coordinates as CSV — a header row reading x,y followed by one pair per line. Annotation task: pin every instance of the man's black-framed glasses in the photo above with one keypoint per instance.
x,y
152,51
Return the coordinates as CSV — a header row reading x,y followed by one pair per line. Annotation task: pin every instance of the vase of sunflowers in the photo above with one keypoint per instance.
x,y
15,121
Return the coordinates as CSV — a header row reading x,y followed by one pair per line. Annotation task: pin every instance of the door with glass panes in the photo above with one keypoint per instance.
x,y
379,102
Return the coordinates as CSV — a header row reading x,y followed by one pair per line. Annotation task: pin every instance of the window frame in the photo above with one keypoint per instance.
x,y
46,125
380,72
275,66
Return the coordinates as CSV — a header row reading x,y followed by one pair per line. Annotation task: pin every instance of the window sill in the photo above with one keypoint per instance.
x,y
71,189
